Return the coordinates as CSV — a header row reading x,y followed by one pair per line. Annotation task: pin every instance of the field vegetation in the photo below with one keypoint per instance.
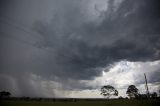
x,y
87,102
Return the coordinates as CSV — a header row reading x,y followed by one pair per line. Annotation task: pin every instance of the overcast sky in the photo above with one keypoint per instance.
x,y
70,48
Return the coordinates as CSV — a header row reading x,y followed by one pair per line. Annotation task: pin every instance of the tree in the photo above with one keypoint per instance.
x,y
159,90
108,91
5,94
120,97
154,95
132,91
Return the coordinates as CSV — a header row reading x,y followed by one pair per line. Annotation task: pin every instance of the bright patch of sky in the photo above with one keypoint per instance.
x,y
125,73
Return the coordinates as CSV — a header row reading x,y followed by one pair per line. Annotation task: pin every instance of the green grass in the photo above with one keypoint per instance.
x,y
82,103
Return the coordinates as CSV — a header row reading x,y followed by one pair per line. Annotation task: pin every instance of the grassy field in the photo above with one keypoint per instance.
x,y
82,103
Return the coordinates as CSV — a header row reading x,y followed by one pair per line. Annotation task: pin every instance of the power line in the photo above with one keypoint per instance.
x,y
7,21
21,28
28,33
24,42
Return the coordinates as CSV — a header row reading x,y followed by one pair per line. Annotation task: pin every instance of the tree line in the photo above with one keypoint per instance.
x,y
132,92
107,91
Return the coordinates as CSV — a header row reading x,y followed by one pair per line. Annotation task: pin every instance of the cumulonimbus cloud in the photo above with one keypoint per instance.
x,y
129,32
81,39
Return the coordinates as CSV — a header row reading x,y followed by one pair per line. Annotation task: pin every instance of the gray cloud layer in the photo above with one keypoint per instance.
x,y
72,46
131,33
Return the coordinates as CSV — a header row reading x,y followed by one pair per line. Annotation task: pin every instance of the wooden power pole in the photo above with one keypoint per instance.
x,y
146,86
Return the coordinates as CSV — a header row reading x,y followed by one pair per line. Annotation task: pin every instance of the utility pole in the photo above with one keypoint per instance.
x,y
146,86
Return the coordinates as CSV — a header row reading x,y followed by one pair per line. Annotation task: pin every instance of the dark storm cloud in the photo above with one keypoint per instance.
x,y
3,5
129,33
155,77
72,47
